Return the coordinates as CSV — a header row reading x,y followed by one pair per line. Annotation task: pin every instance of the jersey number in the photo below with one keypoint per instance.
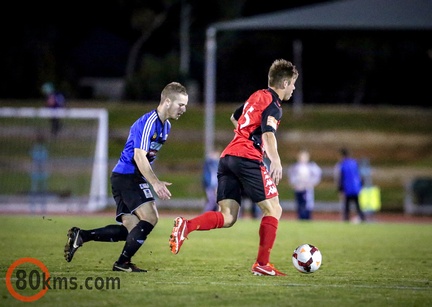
x,y
246,116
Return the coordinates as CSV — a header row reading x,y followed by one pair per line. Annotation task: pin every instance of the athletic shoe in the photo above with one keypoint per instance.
x,y
73,243
177,235
268,270
126,267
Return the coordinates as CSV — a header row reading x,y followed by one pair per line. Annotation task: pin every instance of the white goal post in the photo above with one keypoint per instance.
x,y
97,198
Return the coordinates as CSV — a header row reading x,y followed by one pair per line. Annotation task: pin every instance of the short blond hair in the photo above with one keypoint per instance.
x,y
172,90
279,71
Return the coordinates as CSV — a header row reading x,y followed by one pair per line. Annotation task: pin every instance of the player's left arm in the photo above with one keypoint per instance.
x,y
270,147
269,124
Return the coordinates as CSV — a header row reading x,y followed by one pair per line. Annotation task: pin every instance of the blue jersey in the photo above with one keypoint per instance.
x,y
147,133
350,180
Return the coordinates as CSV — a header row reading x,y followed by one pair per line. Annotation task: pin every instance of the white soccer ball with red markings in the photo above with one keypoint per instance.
x,y
307,258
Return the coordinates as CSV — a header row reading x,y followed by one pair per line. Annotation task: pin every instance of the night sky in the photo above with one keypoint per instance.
x,y
64,41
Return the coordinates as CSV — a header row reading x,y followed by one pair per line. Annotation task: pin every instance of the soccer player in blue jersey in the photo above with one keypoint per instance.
x,y
131,179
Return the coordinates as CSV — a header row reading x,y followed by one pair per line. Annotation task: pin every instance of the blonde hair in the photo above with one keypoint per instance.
x,y
172,90
279,71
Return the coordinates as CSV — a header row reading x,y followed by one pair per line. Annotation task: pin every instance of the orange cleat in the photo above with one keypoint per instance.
x,y
267,270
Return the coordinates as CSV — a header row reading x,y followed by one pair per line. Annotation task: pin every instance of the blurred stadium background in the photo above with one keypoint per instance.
x,y
396,142
366,88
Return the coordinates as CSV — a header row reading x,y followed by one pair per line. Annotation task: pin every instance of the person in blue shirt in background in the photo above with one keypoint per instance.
x,y
209,180
39,174
349,183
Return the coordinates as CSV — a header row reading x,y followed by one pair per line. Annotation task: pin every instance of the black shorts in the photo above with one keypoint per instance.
x,y
129,191
237,176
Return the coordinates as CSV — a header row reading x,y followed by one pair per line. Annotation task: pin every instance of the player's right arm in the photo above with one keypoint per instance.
x,y
236,115
143,164
233,120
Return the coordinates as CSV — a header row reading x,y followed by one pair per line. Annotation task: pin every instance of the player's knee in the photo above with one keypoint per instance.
x,y
277,212
229,220
144,229
148,212
129,221
152,219
271,207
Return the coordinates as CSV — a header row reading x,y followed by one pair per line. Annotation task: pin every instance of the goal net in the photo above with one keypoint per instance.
x,y
53,159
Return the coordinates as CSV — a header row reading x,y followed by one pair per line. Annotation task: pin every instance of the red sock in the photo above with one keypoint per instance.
x,y
267,234
206,221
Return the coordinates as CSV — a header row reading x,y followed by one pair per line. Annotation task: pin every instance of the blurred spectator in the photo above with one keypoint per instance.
x,y
365,172
349,183
247,203
39,173
370,194
54,100
209,180
303,176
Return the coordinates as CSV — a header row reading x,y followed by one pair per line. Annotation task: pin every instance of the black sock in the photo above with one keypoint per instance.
x,y
134,240
110,233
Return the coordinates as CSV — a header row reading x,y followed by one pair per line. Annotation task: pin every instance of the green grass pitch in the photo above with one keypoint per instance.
x,y
373,264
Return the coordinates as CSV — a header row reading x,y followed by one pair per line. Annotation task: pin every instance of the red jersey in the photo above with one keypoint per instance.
x,y
260,113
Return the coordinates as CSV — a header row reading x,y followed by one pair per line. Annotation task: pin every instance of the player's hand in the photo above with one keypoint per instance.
x,y
160,187
276,172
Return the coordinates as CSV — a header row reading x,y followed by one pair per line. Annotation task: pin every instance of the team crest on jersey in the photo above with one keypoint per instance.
x,y
154,136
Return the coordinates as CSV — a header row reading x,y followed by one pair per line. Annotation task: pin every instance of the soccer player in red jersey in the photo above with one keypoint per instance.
x,y
241,168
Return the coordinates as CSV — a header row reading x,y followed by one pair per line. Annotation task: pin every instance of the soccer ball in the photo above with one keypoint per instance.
x,y
307,258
